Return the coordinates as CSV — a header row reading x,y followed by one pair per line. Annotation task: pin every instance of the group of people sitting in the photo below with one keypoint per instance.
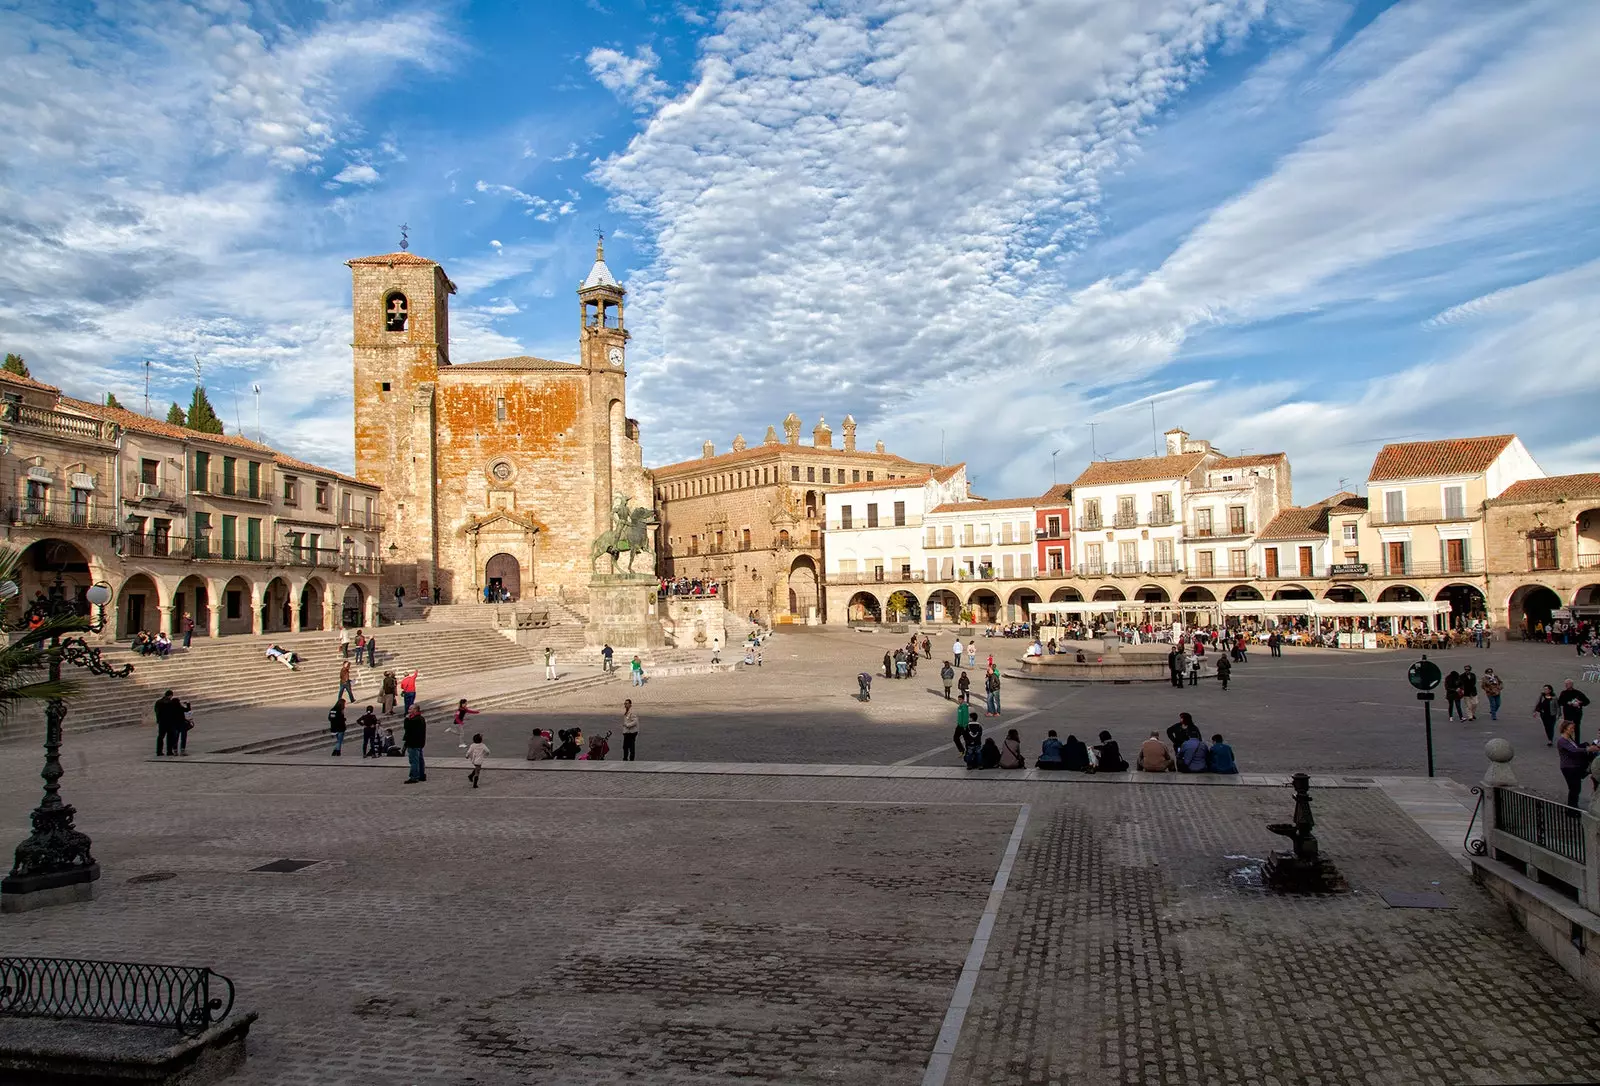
x,y
689,586
288,659
1189,752
567,746
1193,755
146,644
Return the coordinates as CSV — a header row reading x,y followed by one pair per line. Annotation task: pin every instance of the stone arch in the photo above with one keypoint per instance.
x,y
195,598
42,560
1344,593
1066,595
502,571
139,605
1109,593
1466,601
1020,604
1243,592
803,586
313,603
904,606
864,607
1293,592
943,606
1529,607
237,604
277,611
353,606
1586,596
985,605
1400,593
1196,594
1152,593
396,312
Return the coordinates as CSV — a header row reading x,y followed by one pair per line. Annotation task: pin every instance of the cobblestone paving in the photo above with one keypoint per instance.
x,y
1130,949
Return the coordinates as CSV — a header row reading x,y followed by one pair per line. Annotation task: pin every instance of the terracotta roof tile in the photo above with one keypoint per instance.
x,y
883,484
1426,459
1553,488
1251,461
1060,494
1298,522
393,258
1146,470
518,362
764,452
984,505
26,382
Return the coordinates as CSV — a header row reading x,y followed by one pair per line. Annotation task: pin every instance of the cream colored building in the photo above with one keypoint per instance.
x,y
1543,555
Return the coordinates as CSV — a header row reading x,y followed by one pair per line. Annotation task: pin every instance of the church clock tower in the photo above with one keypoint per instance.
x,y
602,346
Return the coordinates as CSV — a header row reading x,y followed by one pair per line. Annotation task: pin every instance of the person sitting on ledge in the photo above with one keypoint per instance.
x,y
1108,756
1219,759
1193,755
1181,732
1075,755
989,756
1050,753
162,645
1035,649
1011,752
1081,658
1154,756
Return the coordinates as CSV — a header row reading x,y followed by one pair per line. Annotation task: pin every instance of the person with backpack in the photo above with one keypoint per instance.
x,y
947,675
336,726
864,686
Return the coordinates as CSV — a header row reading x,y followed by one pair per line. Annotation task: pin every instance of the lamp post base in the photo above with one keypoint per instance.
x,y
24,893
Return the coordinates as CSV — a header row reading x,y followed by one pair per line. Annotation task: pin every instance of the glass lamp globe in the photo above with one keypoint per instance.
x,y
98,595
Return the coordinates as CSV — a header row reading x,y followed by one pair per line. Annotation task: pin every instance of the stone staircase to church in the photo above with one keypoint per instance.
x,y
232,673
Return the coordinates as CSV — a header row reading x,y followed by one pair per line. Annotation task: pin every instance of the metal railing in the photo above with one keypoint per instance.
x,y
60,514
1129,569
1161,517
26,417
1125,520
135,489
360,518
1090,524
1223,573
1430,569
186,998
1422,514
1552,826
888,576
219,485
1220,531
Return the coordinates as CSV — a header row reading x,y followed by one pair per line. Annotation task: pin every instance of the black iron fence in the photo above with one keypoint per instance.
x,y
186,998
1552,826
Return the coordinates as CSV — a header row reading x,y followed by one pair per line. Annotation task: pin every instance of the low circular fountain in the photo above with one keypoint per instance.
x,y
1106,661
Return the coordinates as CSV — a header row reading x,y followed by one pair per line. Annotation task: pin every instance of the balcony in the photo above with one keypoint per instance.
x,y
1125,520
135,489
934,545
362,520
1429,569
1231,573
60,514
1236,530
1589,561
1161,518
1090,524
42,420
888,576
1129,569
1423,514
219,485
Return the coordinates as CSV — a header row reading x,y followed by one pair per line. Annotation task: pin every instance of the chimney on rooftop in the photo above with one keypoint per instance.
x,y
708,450
878,448
739,443
849,433
1176,439
822,435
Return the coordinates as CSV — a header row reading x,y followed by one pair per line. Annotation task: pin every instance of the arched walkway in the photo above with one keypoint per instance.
x,y
863,607
236,604
1020,603
1587,596
1243,592
138,606
1066,595
804,593
903,607
353,608
311,604
1345,593
1466,603
276,609
1587,524
1293,592
1152,593
502,576
1399,593
985,605
944,606
42,561
1529,609
193,600
1196,594
1109,592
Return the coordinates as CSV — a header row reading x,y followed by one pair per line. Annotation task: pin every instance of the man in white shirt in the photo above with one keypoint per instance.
x,y
957,650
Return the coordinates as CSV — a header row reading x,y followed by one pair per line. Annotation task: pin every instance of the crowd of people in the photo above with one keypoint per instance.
x,y
1185,750
1580,632
689,586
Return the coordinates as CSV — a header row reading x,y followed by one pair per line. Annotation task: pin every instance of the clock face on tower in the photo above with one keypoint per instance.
x,y
615,355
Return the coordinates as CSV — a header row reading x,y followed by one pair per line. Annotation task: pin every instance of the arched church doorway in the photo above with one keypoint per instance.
x,y
502,576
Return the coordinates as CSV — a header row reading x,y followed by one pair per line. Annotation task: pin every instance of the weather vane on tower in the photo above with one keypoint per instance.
x,y
405,242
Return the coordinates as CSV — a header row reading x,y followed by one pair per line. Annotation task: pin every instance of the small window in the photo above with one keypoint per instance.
x,y
38,494
855,475
827,475
794,474
869,476
148,470
500,409
899,514
322,495
811,475
395,313
872,514
291,490
383,386
845,517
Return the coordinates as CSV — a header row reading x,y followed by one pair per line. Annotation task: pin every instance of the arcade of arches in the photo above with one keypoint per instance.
x,y
220,600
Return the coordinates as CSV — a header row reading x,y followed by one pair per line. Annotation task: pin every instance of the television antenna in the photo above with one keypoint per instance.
x,y
1094,453
257,390
147,386
1053,454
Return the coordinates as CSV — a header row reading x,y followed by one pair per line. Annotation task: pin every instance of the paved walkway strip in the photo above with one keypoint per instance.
x,y
944,1048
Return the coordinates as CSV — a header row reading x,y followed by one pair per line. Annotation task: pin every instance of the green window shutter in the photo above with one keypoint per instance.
x,y
252,533
230,527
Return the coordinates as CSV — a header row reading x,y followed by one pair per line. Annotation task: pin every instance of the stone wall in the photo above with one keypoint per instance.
x,y
692,622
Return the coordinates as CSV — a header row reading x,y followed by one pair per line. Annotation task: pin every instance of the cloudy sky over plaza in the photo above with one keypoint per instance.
x,y
1305,225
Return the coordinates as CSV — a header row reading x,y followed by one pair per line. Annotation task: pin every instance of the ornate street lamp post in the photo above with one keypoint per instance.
x,y
54,865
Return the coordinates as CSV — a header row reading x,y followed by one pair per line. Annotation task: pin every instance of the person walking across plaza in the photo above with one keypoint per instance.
x,y
1574,757
369,733
462,712
408,690
637,668
336,725
964,686
991,690
630,732
476,753
1571,702
888,666
347,687
386,693
1492,688
344,644
1452,697
1548,713
1469,692
947,675
957,651
1275,643
549,665
414,736
606,664
1224,670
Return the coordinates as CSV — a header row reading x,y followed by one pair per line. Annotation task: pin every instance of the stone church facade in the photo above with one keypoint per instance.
x,y
495,473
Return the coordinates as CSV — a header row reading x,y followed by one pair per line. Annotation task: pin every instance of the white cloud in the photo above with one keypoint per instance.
x,y
357,174
632,79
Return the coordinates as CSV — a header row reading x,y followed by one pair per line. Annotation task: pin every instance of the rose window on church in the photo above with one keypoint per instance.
x,y
501,470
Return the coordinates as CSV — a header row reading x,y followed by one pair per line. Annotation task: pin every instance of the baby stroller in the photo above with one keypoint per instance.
x,y
599,747
386,747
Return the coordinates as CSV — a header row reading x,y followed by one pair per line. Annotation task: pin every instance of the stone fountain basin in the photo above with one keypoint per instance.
x,y
1122,664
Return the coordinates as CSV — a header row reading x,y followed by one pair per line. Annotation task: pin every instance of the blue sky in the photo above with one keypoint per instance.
x,y
1300,226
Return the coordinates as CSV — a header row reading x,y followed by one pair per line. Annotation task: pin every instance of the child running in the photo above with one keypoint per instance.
x,y
462,712
476,753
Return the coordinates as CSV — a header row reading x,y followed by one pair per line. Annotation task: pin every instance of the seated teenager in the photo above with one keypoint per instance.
x,y
1075,755
1050,753
1154,756
1011,752
1192,755
1219,759
1109,756
989,756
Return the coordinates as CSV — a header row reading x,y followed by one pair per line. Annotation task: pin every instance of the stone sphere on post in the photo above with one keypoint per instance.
x,y
1499,774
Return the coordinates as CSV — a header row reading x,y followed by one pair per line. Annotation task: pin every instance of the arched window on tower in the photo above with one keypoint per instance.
x,y
395,312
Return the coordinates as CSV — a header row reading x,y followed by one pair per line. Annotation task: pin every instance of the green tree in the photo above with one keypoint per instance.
x,y
201,416
15,364
111,401
175,416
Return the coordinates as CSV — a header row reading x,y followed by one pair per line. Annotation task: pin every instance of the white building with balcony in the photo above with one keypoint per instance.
x,y
874,534
1128,514
1236,498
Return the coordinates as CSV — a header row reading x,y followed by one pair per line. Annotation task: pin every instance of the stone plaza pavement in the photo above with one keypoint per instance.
x,y
609,924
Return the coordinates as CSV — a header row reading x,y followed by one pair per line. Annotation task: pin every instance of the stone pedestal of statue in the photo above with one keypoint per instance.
x,y
624,612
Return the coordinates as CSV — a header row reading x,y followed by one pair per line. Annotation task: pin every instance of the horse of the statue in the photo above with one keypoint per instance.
x,y
626,534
